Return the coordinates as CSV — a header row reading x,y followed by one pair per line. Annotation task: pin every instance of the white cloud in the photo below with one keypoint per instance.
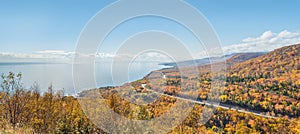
x,y
45,56
67,57
104,55
41,56
268,41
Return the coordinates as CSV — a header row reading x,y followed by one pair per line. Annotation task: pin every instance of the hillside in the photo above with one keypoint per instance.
x,y
280,61
269,83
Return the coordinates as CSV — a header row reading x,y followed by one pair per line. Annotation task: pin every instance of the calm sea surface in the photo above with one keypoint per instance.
x,y
60,75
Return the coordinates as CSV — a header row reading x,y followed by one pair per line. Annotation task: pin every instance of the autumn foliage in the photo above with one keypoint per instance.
x,y
268,84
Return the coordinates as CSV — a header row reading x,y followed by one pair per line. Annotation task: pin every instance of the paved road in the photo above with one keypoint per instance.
x,y
224,106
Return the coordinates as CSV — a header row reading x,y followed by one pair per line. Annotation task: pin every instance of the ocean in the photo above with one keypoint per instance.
x,y
60,75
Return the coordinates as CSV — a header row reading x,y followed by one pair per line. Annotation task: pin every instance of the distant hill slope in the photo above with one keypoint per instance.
x,y
279,62
231,59
241,57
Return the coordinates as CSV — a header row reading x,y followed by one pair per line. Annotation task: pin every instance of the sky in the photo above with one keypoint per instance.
x,y
39,29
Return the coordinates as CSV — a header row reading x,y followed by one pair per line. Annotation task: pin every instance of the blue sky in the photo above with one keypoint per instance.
x,y
34,25
235,19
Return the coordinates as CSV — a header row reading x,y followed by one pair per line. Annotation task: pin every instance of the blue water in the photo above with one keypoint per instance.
x,y
60,75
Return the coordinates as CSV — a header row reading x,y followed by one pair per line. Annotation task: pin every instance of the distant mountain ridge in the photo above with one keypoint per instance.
x,y
241,57
230,59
